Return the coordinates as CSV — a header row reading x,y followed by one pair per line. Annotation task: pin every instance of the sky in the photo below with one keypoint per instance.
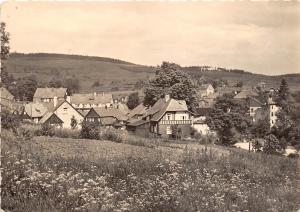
x,y
261,37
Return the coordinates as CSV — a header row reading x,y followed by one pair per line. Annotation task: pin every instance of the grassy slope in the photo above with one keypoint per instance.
x,y
236,181
124,74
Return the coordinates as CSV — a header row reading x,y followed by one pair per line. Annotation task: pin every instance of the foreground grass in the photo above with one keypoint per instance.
x,y
55,175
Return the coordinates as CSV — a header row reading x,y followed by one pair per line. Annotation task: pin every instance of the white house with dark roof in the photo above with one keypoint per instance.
x,y
50,94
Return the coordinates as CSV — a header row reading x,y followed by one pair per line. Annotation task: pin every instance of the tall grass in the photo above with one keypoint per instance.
x,y
197,181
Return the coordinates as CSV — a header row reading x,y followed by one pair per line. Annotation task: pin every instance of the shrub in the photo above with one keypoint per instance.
x,y
66,133
272,145
113,135
89,130
9,120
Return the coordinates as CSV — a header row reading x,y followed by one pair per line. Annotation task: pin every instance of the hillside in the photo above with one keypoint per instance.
x,y
114,74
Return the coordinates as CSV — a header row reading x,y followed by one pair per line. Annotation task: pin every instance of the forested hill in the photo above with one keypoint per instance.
x,y
113,74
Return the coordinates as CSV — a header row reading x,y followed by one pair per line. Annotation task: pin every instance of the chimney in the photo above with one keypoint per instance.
x,y
102,93
95,94
167,97
68,99
55,101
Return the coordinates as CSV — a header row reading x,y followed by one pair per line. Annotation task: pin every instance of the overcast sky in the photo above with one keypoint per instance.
x,y
261,37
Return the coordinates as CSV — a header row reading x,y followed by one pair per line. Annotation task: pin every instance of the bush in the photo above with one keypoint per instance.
x,y
66,133
10,121
272,145
89,130
113,135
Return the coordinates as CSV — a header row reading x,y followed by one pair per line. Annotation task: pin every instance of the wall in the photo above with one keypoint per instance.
x,y
185,130
272,114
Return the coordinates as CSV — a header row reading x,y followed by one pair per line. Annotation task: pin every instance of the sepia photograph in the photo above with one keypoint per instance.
x,y
159,106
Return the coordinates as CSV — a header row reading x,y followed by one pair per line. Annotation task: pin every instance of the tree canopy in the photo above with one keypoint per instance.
x,y
170,79
133,100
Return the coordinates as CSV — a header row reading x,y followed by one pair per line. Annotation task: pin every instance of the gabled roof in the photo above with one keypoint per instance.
x,y
123,107
5,94
50,92
205,86
52,111
244,94
47,116
255,102
170,106
138,110
111,112
35,109
91,98
137,122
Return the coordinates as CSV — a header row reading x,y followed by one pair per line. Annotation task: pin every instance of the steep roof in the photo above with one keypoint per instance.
x,y
35,109
138,110
91,98
137,122
244,94
5,94
50,92
111,112
170,106
255,102
49,115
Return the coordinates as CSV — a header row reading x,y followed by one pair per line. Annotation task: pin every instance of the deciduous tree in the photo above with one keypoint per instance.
x,y
170,79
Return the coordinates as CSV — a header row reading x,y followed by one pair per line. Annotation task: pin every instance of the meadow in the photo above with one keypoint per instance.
x,y
63,174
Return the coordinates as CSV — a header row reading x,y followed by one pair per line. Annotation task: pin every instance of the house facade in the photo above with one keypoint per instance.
x,y
206,90
62,116
6,99
47,95
164,119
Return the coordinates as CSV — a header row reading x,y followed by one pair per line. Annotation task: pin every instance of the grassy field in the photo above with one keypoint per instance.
x,y
55,174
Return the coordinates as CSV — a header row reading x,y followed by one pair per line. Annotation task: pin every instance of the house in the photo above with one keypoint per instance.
x,y
244,94
84,102
254,105
61,115
48,94
206,90
6,99
35,111
165,116
108,117
273,108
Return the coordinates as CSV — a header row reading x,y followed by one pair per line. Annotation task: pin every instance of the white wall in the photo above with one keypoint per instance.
x,y
273,110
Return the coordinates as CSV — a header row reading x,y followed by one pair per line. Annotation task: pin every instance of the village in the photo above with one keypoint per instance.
x,y
149,106
56,108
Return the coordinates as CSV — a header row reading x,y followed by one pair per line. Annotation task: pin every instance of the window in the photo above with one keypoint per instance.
x,y
168,116
168,130
252,109
65,109
183,117
272,114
